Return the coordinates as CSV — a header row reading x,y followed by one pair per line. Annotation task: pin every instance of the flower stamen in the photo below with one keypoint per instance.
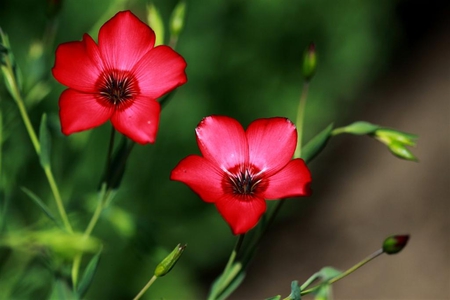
x,y
244,181
117,87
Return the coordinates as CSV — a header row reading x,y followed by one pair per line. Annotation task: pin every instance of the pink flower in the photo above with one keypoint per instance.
x,y
119,79
240,169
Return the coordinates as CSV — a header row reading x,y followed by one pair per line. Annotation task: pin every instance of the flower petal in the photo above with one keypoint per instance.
x,y
201,176
160,71
124,40
78,64
242,214
222,140
80,111
291,181
139,121
271,143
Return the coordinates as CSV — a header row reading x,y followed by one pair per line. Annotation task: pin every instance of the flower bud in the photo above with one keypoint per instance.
x,y
399,150
177,19
397,141
167,264
155,21
394,244
309,62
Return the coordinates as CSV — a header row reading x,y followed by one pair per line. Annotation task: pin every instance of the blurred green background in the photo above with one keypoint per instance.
x,y
244,61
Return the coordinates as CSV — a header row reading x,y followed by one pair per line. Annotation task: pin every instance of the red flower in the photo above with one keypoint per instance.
x,y
239,169
119,79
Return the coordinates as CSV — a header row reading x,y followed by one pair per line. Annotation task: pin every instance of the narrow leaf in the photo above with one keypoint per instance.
x,y
88,275
40,203
316,144
45,141
62,291
235,283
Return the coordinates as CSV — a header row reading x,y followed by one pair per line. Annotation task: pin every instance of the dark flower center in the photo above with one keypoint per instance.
x,y
117,87
244,180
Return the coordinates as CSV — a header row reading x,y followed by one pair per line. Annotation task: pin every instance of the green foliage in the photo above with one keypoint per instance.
x,y
45,142
231,70
316,144
88,275
41,205
156,23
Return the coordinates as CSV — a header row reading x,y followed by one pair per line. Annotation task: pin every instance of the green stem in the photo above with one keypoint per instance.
x,y
58,199
300,118
35,141
221,286
309,281
96,216
145,288
337,131
26,121
349,271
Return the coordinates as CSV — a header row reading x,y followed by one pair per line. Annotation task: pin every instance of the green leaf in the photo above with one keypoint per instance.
x,y
45,141
235,283
278,297
295,291
359,128
221,284
88,274
64,244
323,293
40,203
62,291
316,144
328,273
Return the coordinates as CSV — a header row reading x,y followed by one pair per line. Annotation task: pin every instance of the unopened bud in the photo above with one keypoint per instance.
x,y
155,21
167,264
394,244
177,19
309,62
399,150
399,136
397,141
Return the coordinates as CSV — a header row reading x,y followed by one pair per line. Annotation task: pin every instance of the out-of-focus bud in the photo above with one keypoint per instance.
x,y
394,244
167,264
177,19
155,21
397,141
53,7
399,150
309,62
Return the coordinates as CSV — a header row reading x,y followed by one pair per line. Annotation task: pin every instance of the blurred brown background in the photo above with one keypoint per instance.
x,y
391,197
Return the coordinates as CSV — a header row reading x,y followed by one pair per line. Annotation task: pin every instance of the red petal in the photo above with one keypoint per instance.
x,y
160,71
78,64
124,40
139,121
80,111
201,176
292,181
222,140
271,143
242,214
